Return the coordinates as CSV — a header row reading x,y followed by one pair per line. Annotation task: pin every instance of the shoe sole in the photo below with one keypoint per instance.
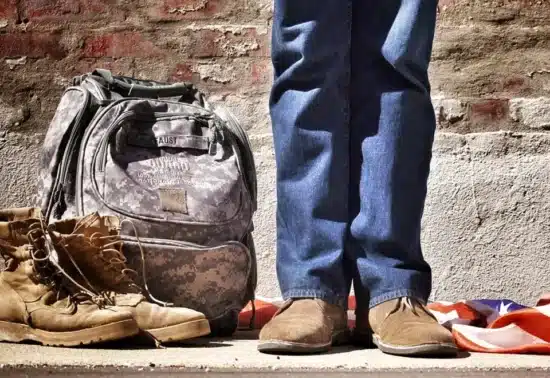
x,y
15,332
423,350
280,346
182,331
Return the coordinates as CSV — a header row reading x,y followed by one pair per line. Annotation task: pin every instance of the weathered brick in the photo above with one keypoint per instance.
x,y
242,75
61,10
518,73
121,66
120,44
181,8
33,45
490,110
175,10
219,41
40,8
33,89
448,111
471,115
527,12
8,9
460,43
183,72
531,112
491,61
261,72
251,109
12,116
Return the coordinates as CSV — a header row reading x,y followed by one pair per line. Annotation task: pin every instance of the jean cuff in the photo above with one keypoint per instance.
x,y
331,298
375,301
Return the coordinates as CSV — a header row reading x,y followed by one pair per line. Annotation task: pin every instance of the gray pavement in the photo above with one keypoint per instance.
x,y
239,356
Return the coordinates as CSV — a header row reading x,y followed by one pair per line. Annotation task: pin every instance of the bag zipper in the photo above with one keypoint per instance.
x,y
180,243
235,127
250,274
185,244
61,177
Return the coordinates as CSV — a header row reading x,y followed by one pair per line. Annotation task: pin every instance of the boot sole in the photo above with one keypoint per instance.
x,y
280,346
423,350
15,332
182,331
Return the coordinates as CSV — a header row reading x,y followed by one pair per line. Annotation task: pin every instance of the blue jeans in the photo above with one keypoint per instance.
x,y
353,127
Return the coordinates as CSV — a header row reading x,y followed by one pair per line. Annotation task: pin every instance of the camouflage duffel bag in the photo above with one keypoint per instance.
x,y
179,169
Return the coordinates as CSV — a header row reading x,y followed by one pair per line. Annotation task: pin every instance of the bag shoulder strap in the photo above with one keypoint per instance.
x,y
132,87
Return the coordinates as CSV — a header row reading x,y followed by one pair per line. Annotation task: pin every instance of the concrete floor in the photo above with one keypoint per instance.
x,y
227,357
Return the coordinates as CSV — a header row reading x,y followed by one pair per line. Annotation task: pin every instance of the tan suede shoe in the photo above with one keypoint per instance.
x,y
304,326
405,327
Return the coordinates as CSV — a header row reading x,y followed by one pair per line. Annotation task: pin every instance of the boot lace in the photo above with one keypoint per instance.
x,y
410,303
110,252
47,269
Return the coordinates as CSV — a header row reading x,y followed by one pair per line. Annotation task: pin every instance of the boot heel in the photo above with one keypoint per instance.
x,y
15,332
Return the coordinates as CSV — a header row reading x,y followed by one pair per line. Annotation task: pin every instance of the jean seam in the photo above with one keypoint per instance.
x,y
329,297
388,296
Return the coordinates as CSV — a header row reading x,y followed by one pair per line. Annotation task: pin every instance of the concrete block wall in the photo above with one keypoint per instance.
x,y
487,223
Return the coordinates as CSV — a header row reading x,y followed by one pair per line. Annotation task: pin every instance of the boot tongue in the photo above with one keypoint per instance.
x,y
45,249
87,240
94,223
128,299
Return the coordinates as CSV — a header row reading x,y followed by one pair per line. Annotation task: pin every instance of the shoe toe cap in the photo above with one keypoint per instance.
x,y
150,316
297,331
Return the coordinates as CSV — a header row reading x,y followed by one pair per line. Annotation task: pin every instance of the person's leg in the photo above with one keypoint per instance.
x,y
309,109
393,121
310,115
392,129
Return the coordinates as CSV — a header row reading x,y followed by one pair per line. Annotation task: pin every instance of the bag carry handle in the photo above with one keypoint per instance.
x,y
132,87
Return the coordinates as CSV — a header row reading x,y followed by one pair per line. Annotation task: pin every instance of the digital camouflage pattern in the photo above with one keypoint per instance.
x,y
168,163
72,104
190,276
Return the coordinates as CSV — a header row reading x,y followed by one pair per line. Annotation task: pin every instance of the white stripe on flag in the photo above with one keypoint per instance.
x,y
510,336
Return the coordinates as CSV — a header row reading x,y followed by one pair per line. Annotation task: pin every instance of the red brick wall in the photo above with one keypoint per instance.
x,y
220,44
490,56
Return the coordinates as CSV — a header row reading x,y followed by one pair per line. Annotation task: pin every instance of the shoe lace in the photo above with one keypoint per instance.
x,y
410,303
143,265
110,251
51,273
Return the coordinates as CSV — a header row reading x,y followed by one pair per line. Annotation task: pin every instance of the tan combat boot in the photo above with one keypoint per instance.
x,y
95,245
37,300
304,326
405,327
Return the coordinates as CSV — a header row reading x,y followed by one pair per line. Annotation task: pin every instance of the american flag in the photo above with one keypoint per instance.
x,y
482,325
497,326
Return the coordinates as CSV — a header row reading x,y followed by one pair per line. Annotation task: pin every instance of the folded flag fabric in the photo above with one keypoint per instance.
x,y
544,300
483,325
496,326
